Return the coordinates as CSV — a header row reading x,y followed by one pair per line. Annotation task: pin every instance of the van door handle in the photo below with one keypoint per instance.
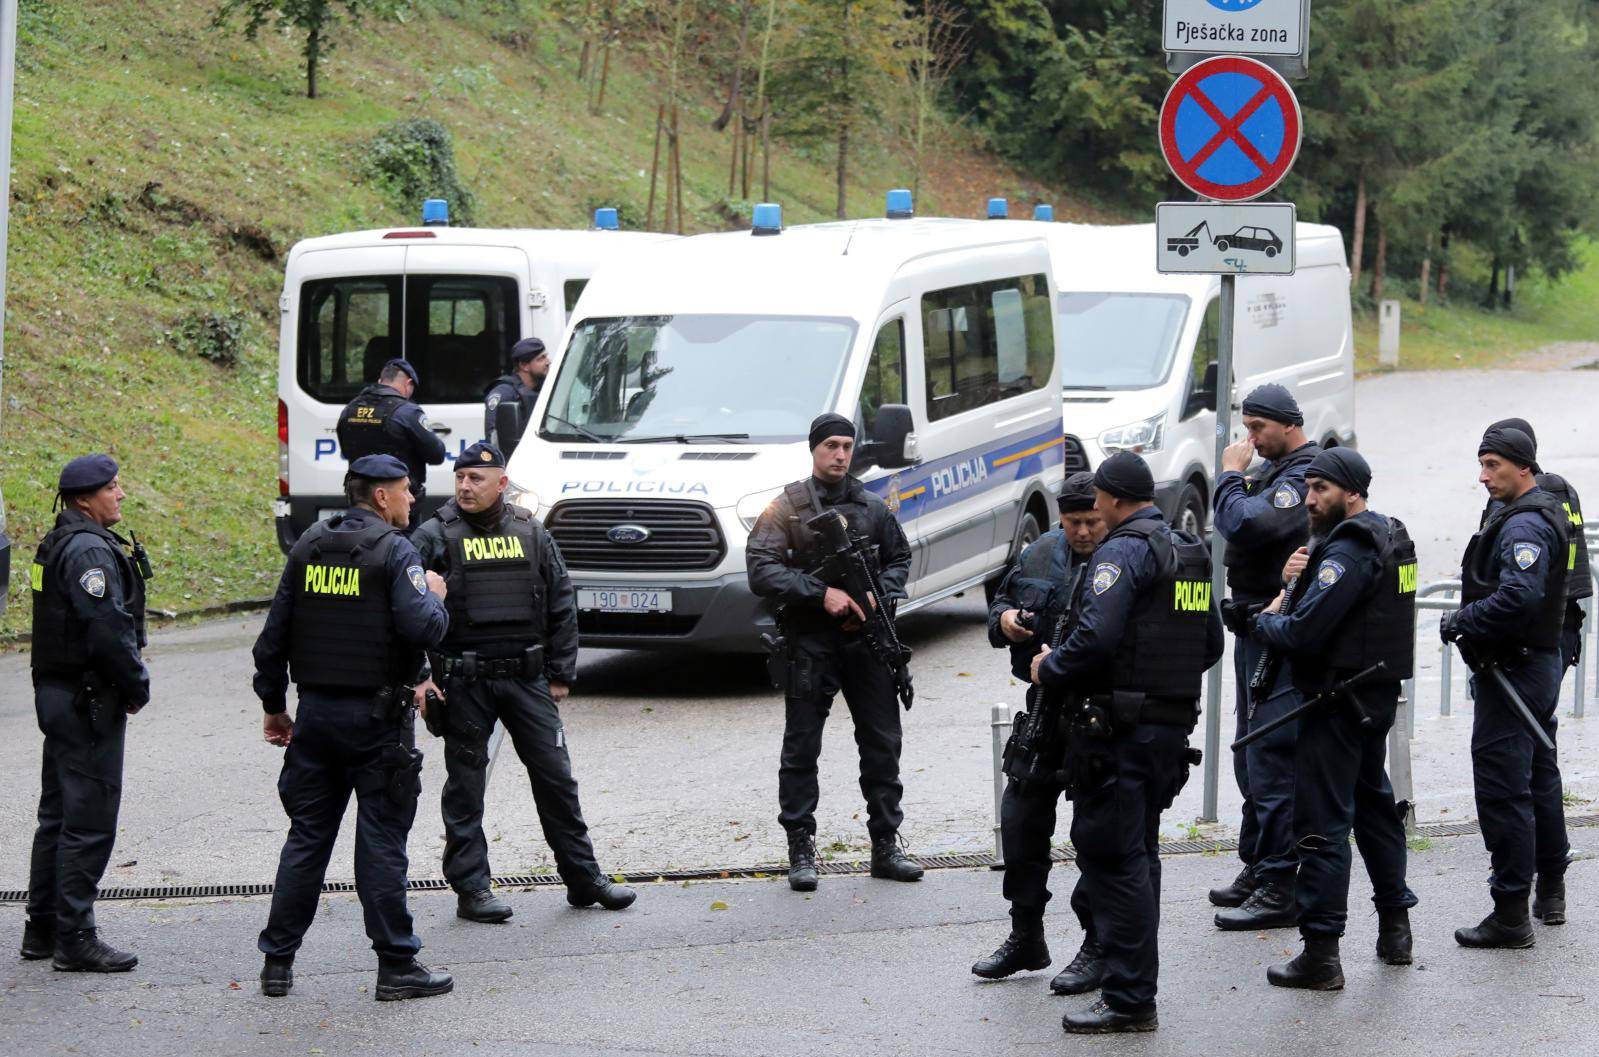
x,y
443,431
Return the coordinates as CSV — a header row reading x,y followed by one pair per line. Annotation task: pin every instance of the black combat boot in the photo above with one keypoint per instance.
x,y
84,952
1508,927
605,892
277,976
410,979
1023,950
1548,900
1393,935
482,905
1236,891
801,861
1084,973
890,862
1271,906
38,938
1316,969
1100,1019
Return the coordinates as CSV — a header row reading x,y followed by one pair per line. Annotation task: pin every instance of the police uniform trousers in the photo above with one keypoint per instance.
x,y
1026,833
1516,780
1342,786
533,723
338,748
1127,781
80,794
844,663
1265,771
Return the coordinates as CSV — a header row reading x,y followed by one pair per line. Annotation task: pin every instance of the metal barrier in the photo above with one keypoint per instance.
x,y
999,722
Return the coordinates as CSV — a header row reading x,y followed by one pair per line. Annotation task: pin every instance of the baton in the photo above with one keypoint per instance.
x,y
1519,706
1345,689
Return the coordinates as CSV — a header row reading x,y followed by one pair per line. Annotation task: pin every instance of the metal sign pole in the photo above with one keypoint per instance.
x,y
1218,546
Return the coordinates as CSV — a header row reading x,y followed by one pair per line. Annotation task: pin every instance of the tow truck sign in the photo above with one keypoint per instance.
x,y
1221,239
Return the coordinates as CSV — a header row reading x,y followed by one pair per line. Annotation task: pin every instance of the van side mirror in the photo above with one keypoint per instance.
x,y
508,426
890,428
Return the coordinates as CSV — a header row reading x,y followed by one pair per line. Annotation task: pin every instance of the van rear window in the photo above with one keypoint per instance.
x,y
455,329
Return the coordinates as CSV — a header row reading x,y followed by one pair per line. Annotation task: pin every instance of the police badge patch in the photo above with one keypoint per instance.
x,y
493,401
93,582
1329,573
1105,576
1285,497
1526,554
419,579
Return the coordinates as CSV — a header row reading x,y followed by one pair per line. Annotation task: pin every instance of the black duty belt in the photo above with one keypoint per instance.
x,y
528,664
1125,710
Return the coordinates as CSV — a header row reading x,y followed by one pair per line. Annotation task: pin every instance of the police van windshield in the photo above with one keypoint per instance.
x,y
760,379
1119,341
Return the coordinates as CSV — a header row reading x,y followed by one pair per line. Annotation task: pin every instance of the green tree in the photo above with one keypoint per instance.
x,y
316,19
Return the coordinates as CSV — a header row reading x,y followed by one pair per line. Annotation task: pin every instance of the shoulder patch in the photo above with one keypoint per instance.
x,y
1526,554
422,420
419,579
1285,497
494,400
1329,573
1105,576
93,582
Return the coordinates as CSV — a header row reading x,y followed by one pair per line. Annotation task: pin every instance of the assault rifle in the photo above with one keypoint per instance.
x,y
1038,735
851,558
1334,696
1494,670
1264,677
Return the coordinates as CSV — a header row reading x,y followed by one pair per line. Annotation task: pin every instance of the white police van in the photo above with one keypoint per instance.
x,y
450,300
1139,368
692,372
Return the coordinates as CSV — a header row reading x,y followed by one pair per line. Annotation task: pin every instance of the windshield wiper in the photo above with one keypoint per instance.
x,y
685,438
587,434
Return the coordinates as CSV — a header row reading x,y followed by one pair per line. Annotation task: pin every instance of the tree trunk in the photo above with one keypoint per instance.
x,y
313,51
845,102
1426,271
762,108
605,65
677,168
655,167
1380,268
732,107
588,37
1443,266
1359,239
923,71
843,164
766,156
1493,286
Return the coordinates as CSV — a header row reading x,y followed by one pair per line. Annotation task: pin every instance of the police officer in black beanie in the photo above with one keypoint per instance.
x,y
510,656
88,676
1132,667
1512,616
1025,610
823,651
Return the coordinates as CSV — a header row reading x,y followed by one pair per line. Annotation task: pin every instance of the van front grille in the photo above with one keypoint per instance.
x,y
678,535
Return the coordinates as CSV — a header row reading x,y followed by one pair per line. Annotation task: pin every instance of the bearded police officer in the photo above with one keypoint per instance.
x,y
1353,608
1509,625
1132,666
382,420
349,622
529,365
825,652
1028,606
88,676
1262,518
510,656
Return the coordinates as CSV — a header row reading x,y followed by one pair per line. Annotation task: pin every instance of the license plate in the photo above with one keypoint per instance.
x,y
624,600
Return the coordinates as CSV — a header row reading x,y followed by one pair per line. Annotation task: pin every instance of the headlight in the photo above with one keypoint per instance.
x,y
526,498
1144,438
750,507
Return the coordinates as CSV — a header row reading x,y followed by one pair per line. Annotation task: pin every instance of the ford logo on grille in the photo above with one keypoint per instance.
x,y
627,534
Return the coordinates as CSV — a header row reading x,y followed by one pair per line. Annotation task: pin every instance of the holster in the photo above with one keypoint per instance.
x,y
98,705
436,716
776,660
392,704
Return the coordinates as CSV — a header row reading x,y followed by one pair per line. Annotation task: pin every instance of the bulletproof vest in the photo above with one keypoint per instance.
x,y
59,644
809,551
1479,573
342,633
1579,574
496,592
1162,649
1041,579
1258,571
367,426
1380,628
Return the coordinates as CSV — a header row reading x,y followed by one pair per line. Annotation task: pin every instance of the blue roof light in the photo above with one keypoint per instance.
x,y
899,204
605,219
1044,211
998,209
435,213
767,220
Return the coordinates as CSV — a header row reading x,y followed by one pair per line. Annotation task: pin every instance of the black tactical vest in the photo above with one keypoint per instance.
x,y
59,645
1381,627
1579,574
808,550
366,426
1479,573
496,590
343,634
1257,572
1162,650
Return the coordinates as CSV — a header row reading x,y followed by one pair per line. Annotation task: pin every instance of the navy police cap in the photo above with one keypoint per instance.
x,y
401,365
526,349
480,454
87,473
379,468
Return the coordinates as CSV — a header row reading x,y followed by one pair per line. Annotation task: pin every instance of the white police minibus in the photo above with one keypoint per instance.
x,y
450,300
692,372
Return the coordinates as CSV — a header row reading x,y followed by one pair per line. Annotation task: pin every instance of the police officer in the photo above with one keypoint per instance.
x,y
825,651
510,656
1024,613
1512,616
1262,518
88,629
1353,607
382,420
351,617
529,365
1548,809
1146,631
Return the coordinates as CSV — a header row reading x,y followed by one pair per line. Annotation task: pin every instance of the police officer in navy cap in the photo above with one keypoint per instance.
x,y
510,656
351,617
1025,614
1146,630
1352,607
530,363
382,420
1261,515
1512,617
88,676
824,652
